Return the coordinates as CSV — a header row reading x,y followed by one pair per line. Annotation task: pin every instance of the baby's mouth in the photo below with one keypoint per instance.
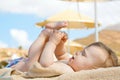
x,y
72,57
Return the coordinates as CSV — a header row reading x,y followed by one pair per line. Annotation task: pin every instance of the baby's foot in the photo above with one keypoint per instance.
x,y
56,37
57,25
46,32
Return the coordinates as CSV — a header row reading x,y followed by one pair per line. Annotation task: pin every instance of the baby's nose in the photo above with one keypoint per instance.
x,y
77,53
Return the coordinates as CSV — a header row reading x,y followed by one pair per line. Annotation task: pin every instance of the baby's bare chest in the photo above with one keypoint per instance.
x,y
61,65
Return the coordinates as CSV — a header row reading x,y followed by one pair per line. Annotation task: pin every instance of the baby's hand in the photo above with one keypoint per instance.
x,y
64,39
60,49
56,37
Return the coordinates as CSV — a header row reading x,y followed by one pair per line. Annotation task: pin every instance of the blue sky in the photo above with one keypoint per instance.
x,y
11,22
18,18
21,25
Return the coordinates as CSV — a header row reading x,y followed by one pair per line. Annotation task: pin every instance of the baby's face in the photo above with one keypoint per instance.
x,y
89,58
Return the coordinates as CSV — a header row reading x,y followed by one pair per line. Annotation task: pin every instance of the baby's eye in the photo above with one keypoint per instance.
x,y
83,53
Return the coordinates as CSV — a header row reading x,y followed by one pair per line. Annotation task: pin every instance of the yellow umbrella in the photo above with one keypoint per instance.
x,y
75,20
73,46
95,10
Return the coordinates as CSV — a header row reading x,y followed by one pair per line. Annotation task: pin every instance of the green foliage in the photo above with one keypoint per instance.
x,y
3,64
20,47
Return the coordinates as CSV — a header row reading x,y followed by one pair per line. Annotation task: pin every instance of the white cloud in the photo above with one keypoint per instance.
x,y
45,8
42,8
21,37
3,45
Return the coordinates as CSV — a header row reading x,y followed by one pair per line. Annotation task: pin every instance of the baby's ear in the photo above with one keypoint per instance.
x,y
109,63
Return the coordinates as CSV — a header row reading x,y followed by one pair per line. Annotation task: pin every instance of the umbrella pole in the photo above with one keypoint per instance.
x,y
96,23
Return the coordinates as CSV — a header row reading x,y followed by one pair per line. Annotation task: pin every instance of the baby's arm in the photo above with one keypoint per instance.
x,y
47,56
60,51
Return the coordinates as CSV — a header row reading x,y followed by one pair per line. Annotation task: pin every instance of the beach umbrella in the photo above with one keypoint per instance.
x,y
95,11
75,20
73,46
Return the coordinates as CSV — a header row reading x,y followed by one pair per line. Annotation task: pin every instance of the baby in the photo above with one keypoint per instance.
x,y
51,42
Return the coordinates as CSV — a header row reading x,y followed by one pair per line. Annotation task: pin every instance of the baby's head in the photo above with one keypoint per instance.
x,y
95,55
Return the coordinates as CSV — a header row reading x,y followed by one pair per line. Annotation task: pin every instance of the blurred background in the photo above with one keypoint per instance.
x,y
21,21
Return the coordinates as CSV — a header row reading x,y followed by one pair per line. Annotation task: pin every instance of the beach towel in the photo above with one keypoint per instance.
x,y
13,62
37,72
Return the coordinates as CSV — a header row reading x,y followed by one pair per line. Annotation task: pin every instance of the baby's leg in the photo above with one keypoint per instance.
x,y
34,51
60,51
37,46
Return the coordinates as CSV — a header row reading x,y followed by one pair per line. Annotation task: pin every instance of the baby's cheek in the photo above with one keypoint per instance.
x,y
80,62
